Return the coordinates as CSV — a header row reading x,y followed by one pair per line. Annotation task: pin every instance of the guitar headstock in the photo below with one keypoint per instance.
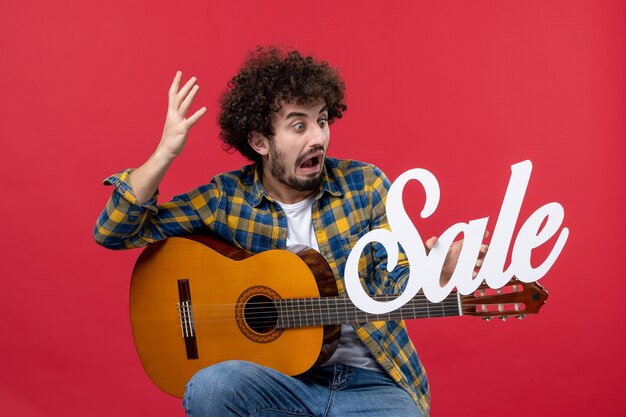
x,y
516,298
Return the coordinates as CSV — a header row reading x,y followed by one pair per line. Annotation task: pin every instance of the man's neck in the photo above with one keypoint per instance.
x,y
282,192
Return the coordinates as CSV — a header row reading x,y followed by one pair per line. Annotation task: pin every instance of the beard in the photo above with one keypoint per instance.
x,y
278,170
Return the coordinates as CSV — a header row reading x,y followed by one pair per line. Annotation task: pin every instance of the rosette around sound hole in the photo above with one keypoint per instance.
x,y
256,314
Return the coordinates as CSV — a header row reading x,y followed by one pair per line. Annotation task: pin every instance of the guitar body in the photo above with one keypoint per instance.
x,y
196,301
222,285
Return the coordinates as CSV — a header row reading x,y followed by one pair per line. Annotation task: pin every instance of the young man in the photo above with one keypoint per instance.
x,y
277,112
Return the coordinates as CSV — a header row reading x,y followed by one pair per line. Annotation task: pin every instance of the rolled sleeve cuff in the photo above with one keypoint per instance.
x,y
122,186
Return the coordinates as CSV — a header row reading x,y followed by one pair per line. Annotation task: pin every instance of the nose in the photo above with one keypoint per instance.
x,y
319,136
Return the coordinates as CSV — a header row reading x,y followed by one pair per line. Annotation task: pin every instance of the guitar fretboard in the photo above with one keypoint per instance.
x,y
306,312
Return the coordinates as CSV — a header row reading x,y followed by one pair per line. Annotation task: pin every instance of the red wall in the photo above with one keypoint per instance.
x,y
464,89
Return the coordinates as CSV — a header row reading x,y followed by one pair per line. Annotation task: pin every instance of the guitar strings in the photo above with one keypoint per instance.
x,y
298,312
339,315
304,319
334,299
308,310
307,305
420,298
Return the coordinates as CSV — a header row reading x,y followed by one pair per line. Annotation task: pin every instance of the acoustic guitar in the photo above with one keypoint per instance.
x,y
196,301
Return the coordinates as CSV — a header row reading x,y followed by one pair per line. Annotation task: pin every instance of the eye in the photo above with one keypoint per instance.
x,y
322,122
299,127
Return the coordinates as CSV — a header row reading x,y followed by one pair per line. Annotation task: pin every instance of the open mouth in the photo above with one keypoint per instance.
x,y
312,163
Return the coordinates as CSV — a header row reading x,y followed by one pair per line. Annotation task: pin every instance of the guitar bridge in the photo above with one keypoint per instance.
x,y
185,314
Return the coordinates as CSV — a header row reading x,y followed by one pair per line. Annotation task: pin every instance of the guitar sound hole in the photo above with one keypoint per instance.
x,y
260,314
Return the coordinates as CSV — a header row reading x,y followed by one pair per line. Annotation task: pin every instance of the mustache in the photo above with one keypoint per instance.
x,y
308,153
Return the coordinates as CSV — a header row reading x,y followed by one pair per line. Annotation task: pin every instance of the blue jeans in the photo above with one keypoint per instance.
x,y
238,388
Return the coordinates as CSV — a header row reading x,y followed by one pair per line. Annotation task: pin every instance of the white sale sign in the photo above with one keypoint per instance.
x,y
425,268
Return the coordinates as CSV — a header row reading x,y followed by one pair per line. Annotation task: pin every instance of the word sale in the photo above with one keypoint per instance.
x,y
425,268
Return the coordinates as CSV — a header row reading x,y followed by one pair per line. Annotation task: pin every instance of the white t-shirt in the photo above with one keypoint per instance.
x,y
350,351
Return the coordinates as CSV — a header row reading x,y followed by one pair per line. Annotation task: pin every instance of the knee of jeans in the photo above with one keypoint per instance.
x,y
220,380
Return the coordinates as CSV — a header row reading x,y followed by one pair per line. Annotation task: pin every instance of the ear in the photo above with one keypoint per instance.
x,y
259,142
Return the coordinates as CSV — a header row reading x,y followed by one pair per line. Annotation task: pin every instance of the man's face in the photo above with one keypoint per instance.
x,y
298,148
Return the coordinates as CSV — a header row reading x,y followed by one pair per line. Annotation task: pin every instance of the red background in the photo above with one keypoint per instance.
x,y
464,89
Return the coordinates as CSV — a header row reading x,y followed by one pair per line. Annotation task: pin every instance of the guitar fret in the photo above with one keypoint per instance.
x,y
327,310
285,315
319,315
298,314
297,319
279,309
289,312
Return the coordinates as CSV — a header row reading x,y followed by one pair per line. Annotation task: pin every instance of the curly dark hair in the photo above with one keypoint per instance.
x,y
268,77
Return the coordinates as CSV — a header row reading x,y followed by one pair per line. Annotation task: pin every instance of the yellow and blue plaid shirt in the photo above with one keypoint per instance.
x,y
350,202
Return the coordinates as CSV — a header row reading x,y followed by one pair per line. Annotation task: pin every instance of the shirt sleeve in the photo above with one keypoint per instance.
x,y
397,279
125,224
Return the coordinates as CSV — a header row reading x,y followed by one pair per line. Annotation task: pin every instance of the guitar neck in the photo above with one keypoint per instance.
x,y
306,312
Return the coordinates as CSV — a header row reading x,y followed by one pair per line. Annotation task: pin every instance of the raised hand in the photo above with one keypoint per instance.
x,y
177,125
145,179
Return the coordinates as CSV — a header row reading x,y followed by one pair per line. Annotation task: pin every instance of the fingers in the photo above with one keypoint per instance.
x,y
481,256
180,98
483,250
430,243
454,253
171,94
196,116
188,101
183,93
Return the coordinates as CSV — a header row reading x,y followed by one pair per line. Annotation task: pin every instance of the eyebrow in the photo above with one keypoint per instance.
x,y
299,114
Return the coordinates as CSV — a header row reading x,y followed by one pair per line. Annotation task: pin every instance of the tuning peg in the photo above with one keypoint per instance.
x,y
520,316
503,318
487,318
